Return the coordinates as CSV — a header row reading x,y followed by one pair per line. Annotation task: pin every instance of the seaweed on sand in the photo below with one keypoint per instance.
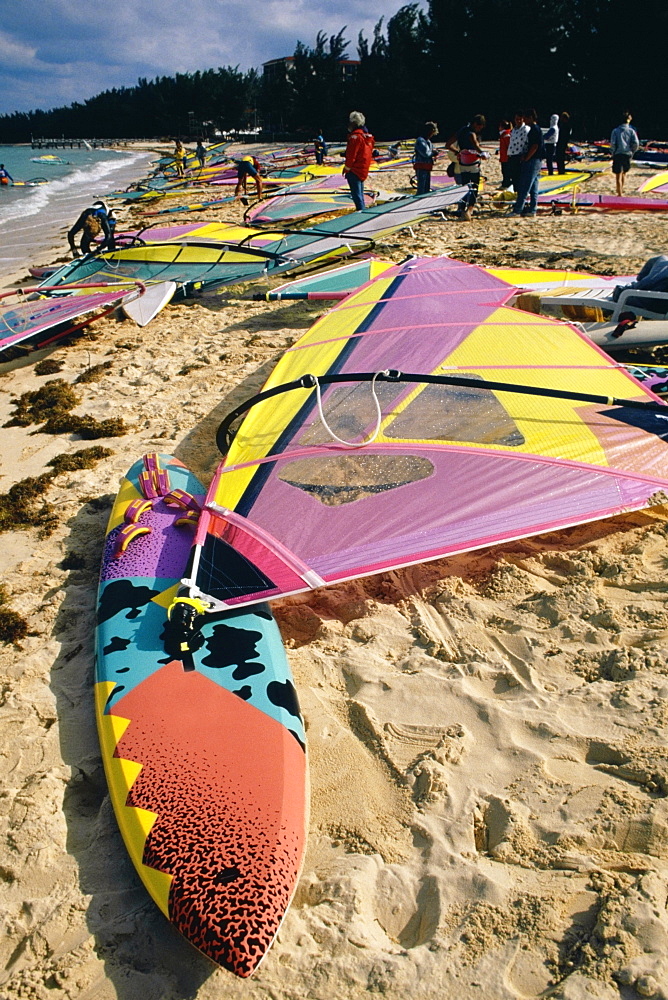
x,y
23,506
51,406
13,627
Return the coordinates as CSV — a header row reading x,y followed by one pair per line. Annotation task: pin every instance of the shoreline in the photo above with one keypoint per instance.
x,y
27,243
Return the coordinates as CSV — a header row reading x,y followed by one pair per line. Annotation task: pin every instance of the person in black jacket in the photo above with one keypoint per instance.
x,y
565,132
530,169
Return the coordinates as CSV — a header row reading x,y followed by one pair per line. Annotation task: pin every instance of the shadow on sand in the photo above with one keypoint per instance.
x,y
145,957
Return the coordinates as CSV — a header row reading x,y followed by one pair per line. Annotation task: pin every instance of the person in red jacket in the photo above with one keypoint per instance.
x,y
504,142
359,152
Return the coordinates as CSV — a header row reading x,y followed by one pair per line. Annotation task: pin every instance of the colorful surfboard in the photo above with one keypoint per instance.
x,y
204,755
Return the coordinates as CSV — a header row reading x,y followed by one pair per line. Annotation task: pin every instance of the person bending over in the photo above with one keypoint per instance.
x,y
249,166
91,223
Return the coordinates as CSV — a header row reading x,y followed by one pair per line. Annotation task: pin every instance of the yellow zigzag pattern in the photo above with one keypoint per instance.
x,y
135,824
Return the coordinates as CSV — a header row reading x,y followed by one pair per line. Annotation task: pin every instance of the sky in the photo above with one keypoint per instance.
x,y
55,52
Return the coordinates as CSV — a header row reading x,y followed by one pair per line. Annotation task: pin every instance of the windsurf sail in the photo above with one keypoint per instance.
x,y
50,159
191,265
200,262
224,232
332,284
194,207
28,324
603,202
658,184
506,425
548,184
322,196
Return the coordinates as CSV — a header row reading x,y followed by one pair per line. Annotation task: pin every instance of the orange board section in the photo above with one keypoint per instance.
x,y
227,783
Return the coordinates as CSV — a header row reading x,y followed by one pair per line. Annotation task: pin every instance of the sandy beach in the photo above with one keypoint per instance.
x,y
486,733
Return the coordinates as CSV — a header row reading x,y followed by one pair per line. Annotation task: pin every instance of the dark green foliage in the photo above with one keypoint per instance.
x,y
495,56
221,97
448,62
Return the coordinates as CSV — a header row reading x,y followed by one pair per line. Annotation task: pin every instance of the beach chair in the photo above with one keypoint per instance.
x,y
617,336
597,305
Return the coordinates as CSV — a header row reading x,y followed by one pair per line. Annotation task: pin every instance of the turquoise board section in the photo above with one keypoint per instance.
x,y
242,651
341,279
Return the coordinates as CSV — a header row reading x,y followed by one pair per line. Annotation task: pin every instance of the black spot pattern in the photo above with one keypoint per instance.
x,y
283,695
116,645
228,646
121,595
246,692
245,670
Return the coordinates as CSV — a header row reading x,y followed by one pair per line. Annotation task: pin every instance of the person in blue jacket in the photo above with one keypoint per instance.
x,y
91,223
320,148
423,157
624,143
5,176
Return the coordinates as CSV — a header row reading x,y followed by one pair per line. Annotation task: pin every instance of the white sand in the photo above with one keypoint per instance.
x,y
487,741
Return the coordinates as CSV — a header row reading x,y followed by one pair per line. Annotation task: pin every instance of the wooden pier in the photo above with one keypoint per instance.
x,y
64,143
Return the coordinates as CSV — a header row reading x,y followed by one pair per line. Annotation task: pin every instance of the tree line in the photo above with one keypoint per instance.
x,y
443,61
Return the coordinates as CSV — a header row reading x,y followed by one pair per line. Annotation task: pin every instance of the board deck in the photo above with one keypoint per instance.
x,y
206,767
145,308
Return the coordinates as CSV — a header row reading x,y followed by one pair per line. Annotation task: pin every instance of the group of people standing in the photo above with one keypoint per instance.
x,y
513,144
522,148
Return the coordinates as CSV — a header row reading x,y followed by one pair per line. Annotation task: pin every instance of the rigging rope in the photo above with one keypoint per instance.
x,y
379,416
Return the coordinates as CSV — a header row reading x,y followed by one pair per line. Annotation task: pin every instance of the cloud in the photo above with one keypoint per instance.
x,y
86,47
15,53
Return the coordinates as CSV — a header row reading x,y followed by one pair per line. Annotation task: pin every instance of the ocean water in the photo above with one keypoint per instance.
x,y
34,220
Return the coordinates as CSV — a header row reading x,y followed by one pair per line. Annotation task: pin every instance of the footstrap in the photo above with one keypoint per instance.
x,y
153,480
127,533
135,509
190,517
179,498
154,484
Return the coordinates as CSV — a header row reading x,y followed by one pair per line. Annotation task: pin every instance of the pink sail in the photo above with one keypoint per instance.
x,y
324,483
46,319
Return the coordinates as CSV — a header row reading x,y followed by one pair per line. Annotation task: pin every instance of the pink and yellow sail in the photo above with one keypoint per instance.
x,y
428,469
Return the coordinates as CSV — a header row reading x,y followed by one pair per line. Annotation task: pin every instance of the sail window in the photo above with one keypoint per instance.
x,y
455,413
339,479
